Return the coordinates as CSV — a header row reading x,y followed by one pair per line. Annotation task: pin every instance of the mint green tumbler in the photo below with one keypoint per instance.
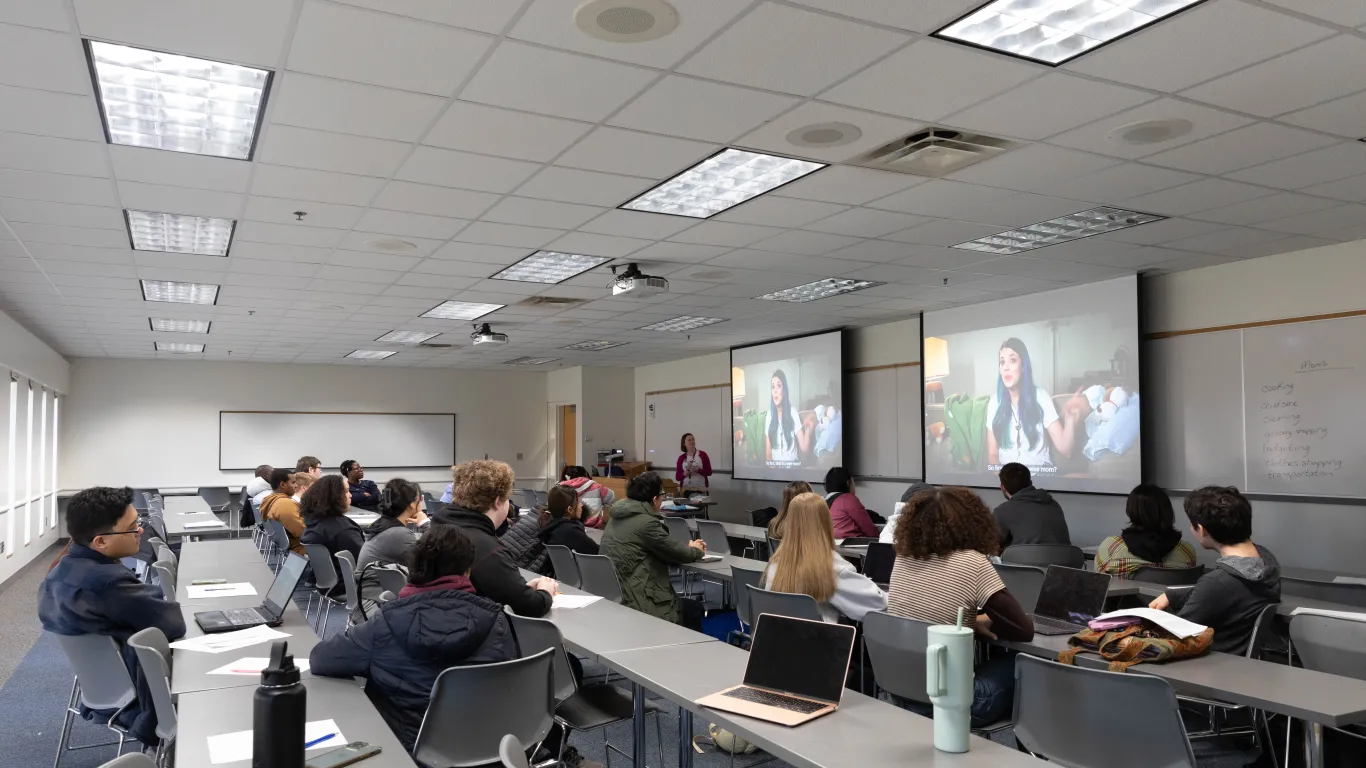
x,y
948,683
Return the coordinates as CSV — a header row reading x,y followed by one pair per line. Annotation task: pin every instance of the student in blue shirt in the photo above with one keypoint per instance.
x,y
364,493
89,592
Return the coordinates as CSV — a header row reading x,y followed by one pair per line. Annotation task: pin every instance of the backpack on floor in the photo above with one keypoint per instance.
x,y
724,741
1135,644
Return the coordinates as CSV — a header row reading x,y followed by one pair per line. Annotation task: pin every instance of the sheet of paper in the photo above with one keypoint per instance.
x,y
1335,614
202,591
1348,580
207,524
1168,621
251,666
229,641
236,747
575,601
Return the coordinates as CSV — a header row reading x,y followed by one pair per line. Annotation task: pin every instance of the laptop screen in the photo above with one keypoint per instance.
x,y
282,589
1072,595
798,656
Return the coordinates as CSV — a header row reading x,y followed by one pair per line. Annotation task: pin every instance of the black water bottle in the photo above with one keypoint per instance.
x,y
279,713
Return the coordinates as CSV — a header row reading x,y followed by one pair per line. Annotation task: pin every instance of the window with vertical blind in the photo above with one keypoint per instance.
x,y
28,498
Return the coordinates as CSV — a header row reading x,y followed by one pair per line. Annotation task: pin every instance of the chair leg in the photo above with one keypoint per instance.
x,y
66,724
659,739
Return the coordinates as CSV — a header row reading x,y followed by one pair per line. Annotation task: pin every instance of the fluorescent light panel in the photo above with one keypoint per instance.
x,y
370,354
530,360
407,337
172,325
1054,31
722,181
1076,226
549,267
175,346
681,323
179,293
595,346
821,289
461,310
175,233
178,103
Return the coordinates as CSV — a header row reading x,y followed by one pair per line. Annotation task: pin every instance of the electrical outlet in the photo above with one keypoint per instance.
x,y
2,547
519,457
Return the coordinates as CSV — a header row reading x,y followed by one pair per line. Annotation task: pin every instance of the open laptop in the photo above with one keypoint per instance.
x,y
1069,598
269,613
795,672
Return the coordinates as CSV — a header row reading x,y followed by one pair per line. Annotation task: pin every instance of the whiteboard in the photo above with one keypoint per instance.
x,y
703,412
886,411
247,439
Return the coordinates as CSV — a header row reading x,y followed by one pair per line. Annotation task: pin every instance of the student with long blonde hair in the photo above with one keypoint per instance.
x,y
808,564
792,491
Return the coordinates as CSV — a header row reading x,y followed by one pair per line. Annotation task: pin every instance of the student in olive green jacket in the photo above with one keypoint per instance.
x,y
640,547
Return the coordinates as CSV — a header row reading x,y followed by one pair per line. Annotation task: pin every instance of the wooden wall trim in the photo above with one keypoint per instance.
x,y
1258,324
882,367
686,389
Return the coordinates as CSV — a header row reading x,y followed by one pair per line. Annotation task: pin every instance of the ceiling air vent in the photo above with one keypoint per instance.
x,y
549,302
935,152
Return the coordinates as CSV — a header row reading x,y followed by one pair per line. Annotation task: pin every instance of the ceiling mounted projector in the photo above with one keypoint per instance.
x,y
633,284
483,334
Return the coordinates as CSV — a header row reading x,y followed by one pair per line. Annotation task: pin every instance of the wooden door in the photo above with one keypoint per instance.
x,y
569,442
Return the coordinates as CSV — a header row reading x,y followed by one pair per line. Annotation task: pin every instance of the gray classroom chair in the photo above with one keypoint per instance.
x,y
165,555
385,597
1060,716
461,730
714,534
158,524
678,529
217,497
325,578
1330,591
797,606
512,753
278,539
140,497
1332,645
744,578
1262,632
1044,555
432,503
772,545
166,579
154,656
131,760
1172,577
101,682
390,579
566,569
1023,581
598,576
348,577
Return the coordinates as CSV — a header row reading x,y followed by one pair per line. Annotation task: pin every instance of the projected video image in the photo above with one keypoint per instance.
x,y
788,415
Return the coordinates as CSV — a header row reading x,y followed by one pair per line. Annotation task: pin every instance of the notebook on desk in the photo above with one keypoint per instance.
x,y
269,613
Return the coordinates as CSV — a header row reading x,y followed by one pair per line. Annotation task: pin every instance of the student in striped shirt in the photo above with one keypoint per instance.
x,y
943,541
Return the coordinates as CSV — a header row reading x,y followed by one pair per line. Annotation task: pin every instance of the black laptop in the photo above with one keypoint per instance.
x,y
1069,598
270,613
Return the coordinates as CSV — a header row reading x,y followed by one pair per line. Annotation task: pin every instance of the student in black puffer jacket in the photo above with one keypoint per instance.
x,y
437,622
519,539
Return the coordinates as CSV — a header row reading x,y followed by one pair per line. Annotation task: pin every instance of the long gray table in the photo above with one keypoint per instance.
x,y
210,713
214,553
181,511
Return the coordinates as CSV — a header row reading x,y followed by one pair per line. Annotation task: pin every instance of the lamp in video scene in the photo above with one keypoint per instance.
x,y
936,364
737,389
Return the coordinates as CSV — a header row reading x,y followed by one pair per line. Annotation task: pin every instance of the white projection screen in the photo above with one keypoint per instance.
x,y
1049,380
787,408
248,439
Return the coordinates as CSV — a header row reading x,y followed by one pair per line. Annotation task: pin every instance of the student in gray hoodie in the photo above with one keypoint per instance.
x,y
388,539
1246,579
1029,515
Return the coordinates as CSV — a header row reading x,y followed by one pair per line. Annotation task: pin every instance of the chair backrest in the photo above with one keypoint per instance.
x,y
598,576
1023,581
278,535
1330,591
1057,717
348,576
140,498
385,597
165,555
154,657
797,606
744,577
562,560
105,683
166,577
431,501
1330,644
324,574
896,647
158,524
390,579
131,760
1262,631
714,534
536,635
217,497
878,563
512,753
1172,577
678,529
461,730
772,544
1044,555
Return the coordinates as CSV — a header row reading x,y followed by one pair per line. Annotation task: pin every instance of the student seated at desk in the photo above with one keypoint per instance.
x,y
89,592
258,487
394,532
302,482
561,523
846,511
280,505
1029,515
943,543
324,511
479,507
364,493
309,465
595,496
792,491
889,530
1247,578
808,564
641,549
1151,538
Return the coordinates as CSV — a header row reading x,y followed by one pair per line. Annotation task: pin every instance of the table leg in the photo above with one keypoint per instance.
x,y
638,750
684,738
1313,745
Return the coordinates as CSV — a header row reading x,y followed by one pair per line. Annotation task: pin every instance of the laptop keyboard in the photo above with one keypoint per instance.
x,y
1044,621
243,616
789,703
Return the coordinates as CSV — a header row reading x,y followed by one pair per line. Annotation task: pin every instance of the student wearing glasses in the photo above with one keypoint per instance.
x,y
89,592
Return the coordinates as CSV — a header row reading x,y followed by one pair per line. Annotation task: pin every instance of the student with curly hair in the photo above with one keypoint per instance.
x,y
943,541
324,510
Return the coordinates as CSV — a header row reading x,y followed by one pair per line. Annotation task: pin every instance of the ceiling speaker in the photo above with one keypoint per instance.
x,y
1149,132
626,21
824,135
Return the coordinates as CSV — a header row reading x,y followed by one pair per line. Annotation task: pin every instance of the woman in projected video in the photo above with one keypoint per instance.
x,y
1023,420
785,437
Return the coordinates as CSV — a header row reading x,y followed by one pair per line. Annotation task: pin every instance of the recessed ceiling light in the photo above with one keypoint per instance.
x,y
390,245
1055,31
722,181
179,326
681,323
461,310
407,337
549,267
183,104
370,354
595,346
176,233
530,360
179,293
173,346
831,286
1150,132
626,21
824,135
1096,221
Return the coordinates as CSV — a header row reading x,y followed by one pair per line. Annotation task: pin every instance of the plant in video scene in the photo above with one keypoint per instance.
x,y
753,436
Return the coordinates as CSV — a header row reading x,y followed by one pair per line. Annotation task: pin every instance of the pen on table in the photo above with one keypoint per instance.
x,y
317,741
220,589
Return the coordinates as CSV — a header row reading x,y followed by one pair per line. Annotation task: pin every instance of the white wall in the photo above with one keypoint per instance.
x,y
607,419
563,387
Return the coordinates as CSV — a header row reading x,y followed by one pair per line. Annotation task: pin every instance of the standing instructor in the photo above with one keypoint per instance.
x,y
693,468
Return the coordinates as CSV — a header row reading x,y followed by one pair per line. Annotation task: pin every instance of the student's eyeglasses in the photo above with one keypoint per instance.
x,y
137,529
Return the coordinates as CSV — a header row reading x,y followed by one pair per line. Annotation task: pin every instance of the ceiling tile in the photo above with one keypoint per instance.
x,y
1253,212
371,261
1316,223
482,15
307,101
779,212
1297,80
713,232
789,50
1044,269
939,257
941,198
64,235
61,214
1208,41
543,213
1225,240
650,226
626,152
326,151
875,131
679,253
1192,198
805,243
447,168
551,23
1348,13
1163,231
1205,122
1317,167
323,186
435,201
123,254
480,253
1244,147
554,83
1051,104
243,32
1351,190
1033,167
921,16
287,235
864,222
36,13
57,188
798,265
944,232
571,185
877,251
179,169
46,113
1119,183
1345,117
610,246
848,185
697,109
278,210
493,131
38,58
414,224
489,233
166,199
1285,245
364,242
381,49
1019,210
